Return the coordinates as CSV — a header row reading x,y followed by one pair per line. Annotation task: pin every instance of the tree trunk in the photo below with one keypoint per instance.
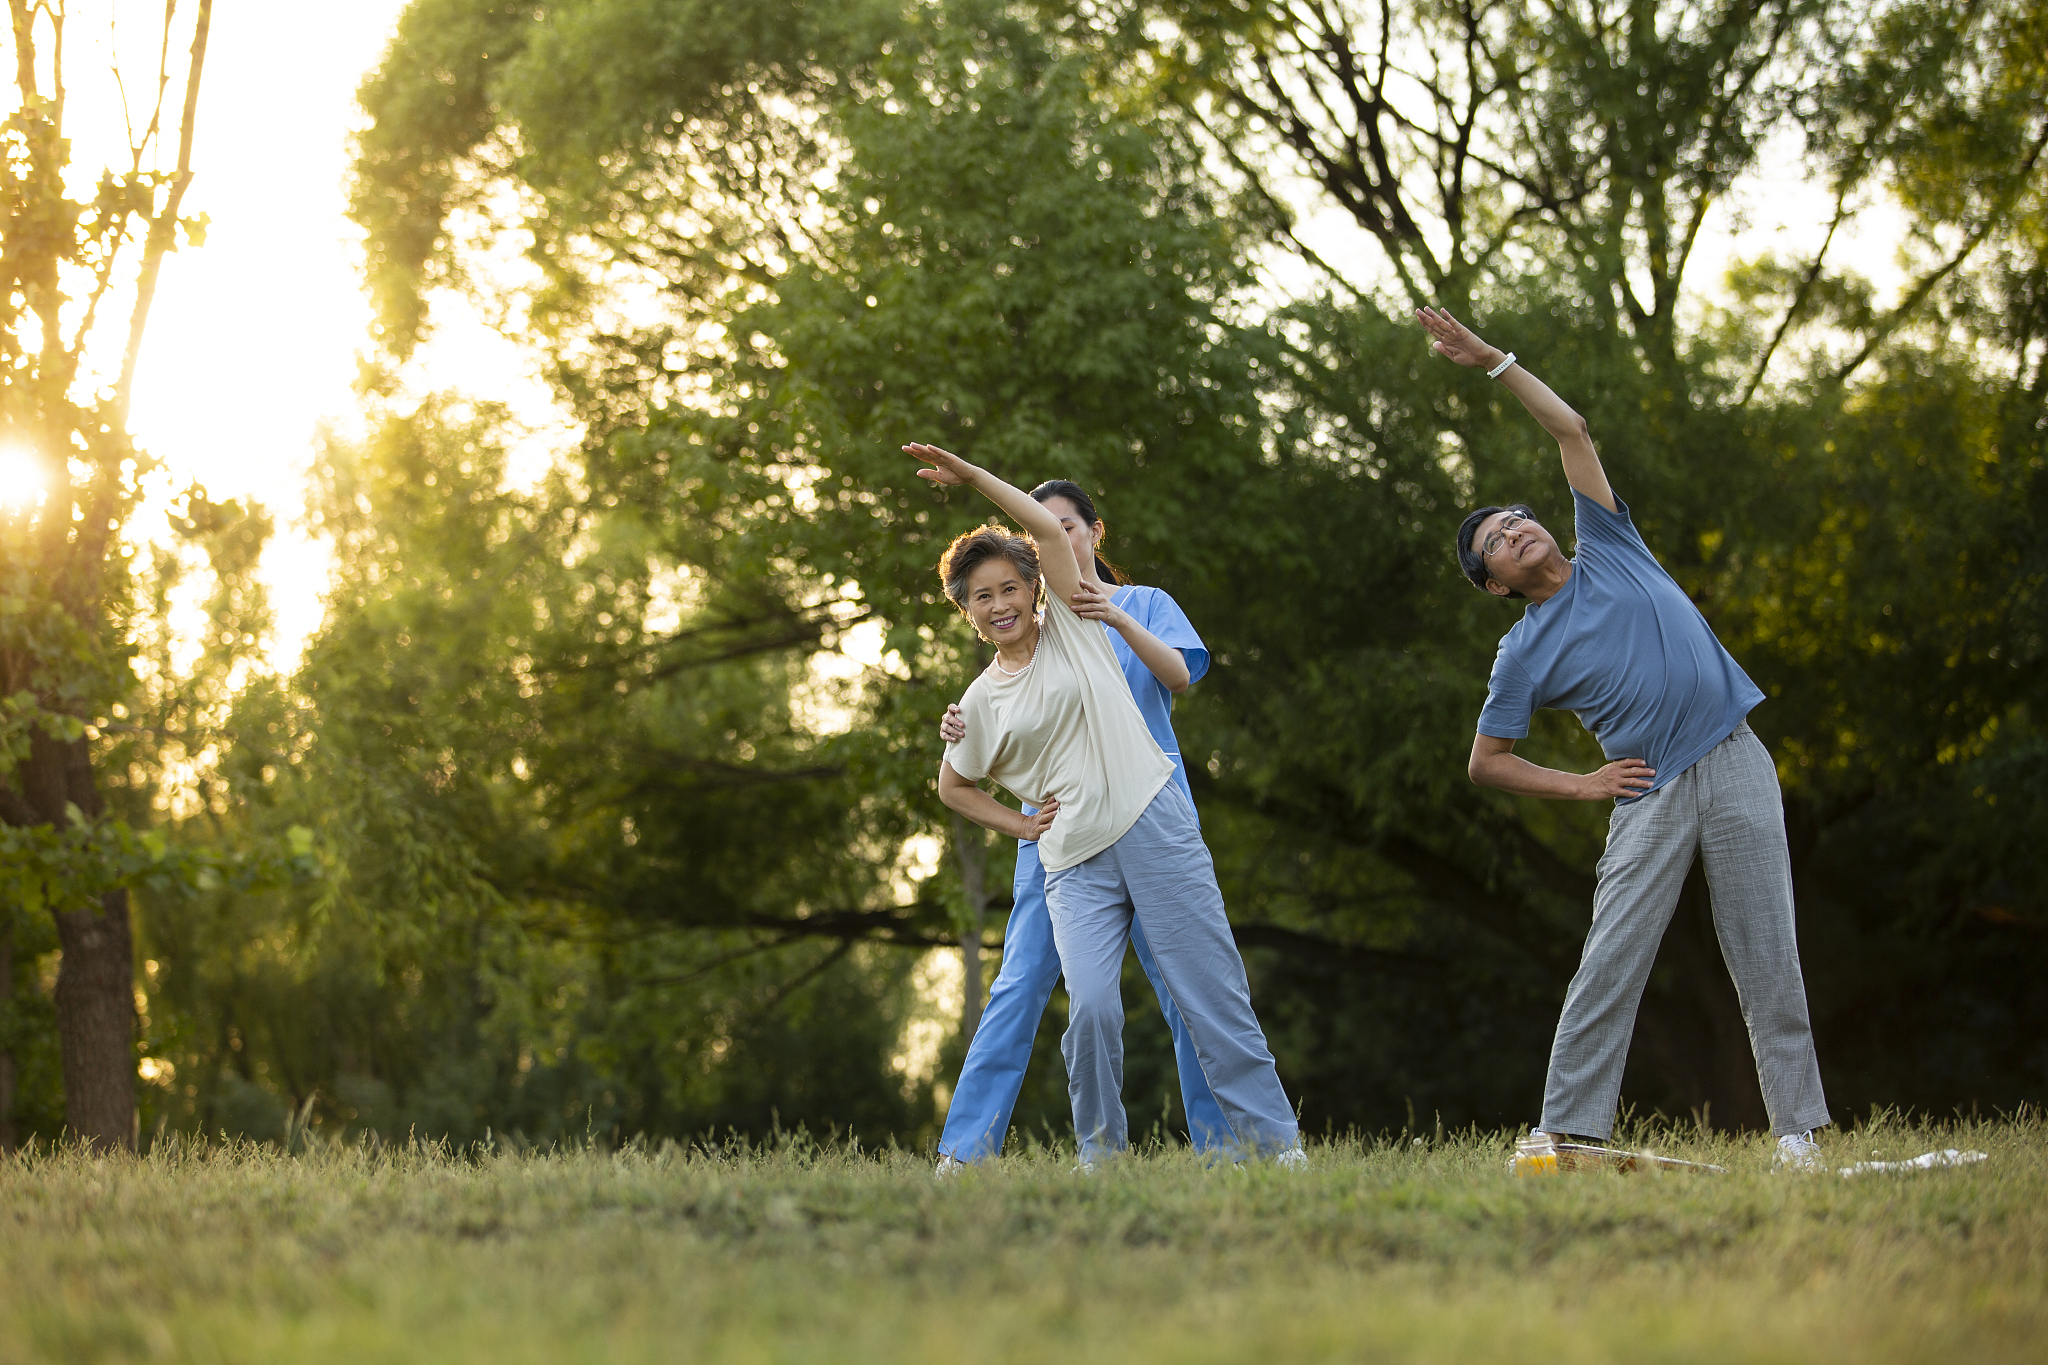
x,y
96,974
96,1023
68,420
970,848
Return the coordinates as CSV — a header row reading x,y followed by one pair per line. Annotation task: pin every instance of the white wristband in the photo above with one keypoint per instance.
x,y
1502,368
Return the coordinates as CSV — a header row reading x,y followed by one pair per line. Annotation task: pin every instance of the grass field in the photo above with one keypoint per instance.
x,y
1384,1252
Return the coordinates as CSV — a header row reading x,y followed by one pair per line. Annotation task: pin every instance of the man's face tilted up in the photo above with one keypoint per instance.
x,y
1520,556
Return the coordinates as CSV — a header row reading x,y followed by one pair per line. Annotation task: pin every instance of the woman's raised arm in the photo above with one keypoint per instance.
x,y
1055,552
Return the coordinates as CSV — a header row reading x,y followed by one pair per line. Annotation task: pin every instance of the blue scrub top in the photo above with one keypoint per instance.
x,y
1160,614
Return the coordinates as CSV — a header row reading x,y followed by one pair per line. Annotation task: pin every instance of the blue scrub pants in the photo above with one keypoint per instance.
x,y
1159,879
979,1117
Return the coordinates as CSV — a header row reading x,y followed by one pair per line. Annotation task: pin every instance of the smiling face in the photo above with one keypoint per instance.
x,y
1080,534
1527,554
1000,600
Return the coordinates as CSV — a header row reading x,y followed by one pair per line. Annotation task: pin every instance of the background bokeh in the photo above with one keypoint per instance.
x,y
557,614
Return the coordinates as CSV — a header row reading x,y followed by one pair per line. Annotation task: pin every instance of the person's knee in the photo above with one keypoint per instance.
x,y
1034,978
1095,1010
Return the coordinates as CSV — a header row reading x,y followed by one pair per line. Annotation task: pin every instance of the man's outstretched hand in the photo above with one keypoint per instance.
x,y
1455,341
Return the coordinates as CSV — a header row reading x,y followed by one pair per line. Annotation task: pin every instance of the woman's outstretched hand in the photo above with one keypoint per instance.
x,y
1455,341
947,469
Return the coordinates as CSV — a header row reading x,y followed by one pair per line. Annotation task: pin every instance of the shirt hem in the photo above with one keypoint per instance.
x,y
1679,770
1122,830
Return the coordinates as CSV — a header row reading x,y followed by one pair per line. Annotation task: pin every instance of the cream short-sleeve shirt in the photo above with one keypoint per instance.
x,y
1065,727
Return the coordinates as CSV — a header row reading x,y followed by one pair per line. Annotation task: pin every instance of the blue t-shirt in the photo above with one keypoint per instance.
x,y
1625,649
1159,613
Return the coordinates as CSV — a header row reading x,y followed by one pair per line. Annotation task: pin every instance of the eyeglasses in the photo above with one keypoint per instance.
x,y
1492,543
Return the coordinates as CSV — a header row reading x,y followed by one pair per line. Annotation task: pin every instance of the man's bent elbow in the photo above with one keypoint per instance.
x,y
1485,764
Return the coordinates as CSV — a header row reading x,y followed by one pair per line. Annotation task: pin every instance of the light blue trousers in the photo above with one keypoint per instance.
x,y
1160,874
993,1074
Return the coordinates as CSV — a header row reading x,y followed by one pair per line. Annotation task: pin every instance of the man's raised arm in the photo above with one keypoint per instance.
x,y
1582,469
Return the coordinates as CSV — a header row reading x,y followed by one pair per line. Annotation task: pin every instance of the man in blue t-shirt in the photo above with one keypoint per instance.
x,y
1610,637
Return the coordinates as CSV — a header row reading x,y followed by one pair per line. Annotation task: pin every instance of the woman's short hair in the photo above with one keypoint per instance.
x,y
1468,558
972,549
1085,505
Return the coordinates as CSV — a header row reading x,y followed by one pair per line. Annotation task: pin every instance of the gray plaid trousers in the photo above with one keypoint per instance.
x,y
1726,808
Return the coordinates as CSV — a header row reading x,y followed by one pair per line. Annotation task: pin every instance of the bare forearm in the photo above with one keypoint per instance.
x,y
1055,555
1455,341
1029,513
1582,467
1493,764
1167,663
984,810
1552,413
1512,773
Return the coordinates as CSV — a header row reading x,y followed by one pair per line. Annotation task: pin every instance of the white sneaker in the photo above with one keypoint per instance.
x,y
947,1167
1293,1159
1799,1152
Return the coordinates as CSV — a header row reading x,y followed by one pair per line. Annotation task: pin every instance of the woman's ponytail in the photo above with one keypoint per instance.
x,y
1085,505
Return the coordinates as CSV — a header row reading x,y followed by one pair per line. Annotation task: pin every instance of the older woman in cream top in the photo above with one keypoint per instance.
x,y
1052,720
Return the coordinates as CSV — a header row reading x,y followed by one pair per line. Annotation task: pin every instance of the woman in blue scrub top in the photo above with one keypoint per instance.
x,y
1161,655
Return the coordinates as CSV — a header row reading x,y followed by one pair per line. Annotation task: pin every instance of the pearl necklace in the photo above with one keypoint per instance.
x,y
1018,673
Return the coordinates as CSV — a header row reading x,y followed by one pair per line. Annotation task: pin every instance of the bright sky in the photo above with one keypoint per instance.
x,y
254,337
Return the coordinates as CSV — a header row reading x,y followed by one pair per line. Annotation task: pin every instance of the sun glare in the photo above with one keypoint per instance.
x,y
23,481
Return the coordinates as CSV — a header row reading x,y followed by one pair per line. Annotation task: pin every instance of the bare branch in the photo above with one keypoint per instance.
x,y
1799,297
1704,198
1280,211
24,16
163,228
163,79
1992,220
56,13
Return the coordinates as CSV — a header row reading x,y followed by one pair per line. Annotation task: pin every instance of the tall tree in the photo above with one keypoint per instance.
x,y
69,592
770,245
997,254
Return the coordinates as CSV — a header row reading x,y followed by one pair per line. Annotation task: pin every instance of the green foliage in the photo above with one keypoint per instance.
x,y
610,842
77,780
554,898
